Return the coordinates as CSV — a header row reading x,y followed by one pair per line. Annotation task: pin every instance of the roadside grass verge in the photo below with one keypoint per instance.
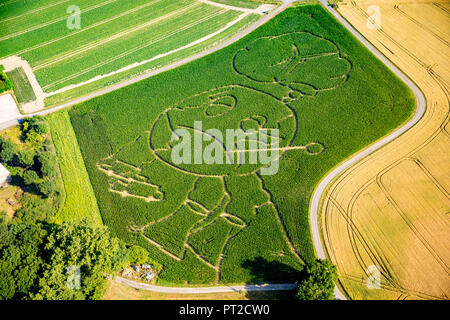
x,y
240,3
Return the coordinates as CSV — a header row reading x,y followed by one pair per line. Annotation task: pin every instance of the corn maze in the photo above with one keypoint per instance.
x,y
227,221
205,222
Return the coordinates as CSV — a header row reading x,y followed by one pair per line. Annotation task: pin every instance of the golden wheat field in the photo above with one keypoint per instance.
x,y
392,209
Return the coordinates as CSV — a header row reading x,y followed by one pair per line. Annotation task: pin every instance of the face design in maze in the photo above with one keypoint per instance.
x,y
205,203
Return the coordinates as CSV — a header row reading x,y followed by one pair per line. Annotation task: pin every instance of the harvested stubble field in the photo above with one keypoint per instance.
x,y
302,73
392,209
116,39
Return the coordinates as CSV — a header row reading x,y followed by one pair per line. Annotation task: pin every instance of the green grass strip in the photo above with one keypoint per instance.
x,y
80,200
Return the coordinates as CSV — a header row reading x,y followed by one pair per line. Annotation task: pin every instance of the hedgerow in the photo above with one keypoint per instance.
x,y
5,83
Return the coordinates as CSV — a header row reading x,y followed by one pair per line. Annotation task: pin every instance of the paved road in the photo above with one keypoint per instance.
x,y
250,287
237,37
421,106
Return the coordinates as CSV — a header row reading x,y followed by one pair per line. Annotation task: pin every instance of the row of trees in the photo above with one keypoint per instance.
x,y
68,261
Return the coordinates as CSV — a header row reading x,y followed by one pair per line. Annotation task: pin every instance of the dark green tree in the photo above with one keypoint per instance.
x,y
318,281
6,151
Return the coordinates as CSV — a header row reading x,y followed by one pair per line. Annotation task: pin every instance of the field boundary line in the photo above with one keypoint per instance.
x,y
334,173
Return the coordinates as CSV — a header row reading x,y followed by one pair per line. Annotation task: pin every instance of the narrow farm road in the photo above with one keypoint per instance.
x,y
421,106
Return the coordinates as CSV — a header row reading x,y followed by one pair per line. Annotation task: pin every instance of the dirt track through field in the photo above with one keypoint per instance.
x,y
151,73
390,210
